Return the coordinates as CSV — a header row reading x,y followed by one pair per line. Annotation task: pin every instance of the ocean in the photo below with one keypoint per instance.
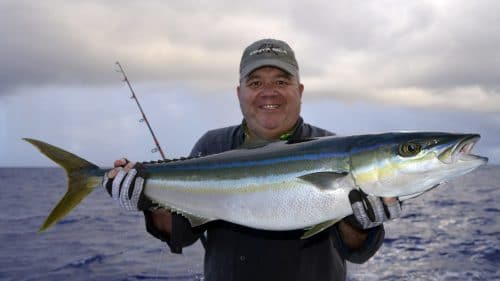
x,y
450,233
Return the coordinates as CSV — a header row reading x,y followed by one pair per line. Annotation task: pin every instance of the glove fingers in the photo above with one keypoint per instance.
x,y
376,207
370,211
365,204
126,186
136,194
360,210
355,196
393,210
117,183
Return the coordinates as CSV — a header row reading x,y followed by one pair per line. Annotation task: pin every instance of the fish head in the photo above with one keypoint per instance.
x,y
405,165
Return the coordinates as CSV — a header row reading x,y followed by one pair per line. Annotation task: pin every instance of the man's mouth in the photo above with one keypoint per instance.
x,y
269,106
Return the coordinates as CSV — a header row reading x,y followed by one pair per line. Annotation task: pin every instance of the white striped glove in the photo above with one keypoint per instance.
x,y
126,188
371,211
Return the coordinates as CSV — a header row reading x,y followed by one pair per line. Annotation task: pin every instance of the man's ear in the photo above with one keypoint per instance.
x,y
238,92
301,89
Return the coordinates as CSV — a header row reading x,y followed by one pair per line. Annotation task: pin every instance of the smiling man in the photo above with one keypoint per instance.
x,y
270,102
270,96
270,91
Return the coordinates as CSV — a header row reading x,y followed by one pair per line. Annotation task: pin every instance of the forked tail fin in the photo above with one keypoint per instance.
x,y
83,177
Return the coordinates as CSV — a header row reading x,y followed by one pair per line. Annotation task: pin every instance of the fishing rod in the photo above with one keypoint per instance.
x,y
144,119
203,238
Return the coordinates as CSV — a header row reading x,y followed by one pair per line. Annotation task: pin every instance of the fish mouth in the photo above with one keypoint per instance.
x,y
461,151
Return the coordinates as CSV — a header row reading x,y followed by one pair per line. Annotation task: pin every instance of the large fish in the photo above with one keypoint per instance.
x,y
286,185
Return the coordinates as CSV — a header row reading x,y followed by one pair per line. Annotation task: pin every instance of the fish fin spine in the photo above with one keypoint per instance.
x,y
318,228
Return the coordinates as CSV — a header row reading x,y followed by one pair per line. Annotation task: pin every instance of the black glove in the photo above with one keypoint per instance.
x,y
126,188
370,211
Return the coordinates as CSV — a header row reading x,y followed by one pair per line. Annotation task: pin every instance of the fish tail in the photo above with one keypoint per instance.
x,y
83,177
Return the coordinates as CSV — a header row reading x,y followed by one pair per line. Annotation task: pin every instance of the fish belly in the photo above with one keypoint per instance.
x,y
284,205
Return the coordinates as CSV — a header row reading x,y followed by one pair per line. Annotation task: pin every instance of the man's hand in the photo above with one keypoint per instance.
x,y
125,183
370,211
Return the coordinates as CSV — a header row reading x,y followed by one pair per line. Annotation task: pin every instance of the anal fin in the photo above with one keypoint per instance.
x,y
318,228
195,220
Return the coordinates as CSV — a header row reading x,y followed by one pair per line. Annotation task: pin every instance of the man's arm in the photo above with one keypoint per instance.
x,y
174,229
162,220
362,233
355,237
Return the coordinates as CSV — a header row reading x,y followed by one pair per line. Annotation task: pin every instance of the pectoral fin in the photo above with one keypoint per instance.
x,y
324,180
318,228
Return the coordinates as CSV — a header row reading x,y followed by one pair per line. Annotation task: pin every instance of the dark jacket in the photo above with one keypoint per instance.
x,y
239,253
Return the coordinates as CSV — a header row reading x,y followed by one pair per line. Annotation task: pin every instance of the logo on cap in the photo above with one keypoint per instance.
x,y
268,48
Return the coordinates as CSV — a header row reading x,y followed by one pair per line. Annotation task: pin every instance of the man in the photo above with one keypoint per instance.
x,y
270,95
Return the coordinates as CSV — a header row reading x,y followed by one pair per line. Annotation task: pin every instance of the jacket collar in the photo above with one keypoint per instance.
x,y
295,133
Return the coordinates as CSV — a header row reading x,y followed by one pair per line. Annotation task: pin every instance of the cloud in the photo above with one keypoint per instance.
x,y
412,54
424,53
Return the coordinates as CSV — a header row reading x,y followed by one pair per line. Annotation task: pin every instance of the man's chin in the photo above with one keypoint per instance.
x,y
271,125
275,129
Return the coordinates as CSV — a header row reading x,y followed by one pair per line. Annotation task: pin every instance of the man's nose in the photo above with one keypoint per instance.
x,y
269,89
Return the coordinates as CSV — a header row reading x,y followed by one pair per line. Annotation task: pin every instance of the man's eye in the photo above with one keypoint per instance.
x,y
281,83
254,84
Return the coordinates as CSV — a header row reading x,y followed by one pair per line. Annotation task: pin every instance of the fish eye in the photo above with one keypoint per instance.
x,y
409,149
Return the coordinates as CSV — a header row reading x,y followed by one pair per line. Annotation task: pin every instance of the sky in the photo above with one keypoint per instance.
x,y
367,67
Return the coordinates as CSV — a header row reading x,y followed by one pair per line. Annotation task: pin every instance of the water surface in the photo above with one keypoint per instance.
x,y
450,233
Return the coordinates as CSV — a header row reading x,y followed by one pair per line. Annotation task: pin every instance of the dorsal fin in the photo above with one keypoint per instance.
x,y
161,161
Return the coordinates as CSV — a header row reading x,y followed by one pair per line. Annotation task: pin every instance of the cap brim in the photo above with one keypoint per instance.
x,y
290,69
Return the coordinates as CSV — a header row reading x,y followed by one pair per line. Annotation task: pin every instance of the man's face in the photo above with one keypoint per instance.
x,y
270,102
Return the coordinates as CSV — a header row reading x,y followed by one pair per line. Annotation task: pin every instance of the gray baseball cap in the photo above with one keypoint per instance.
x,y
268,52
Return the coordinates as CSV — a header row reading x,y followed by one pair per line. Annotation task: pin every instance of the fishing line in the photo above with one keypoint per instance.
x,y
158,261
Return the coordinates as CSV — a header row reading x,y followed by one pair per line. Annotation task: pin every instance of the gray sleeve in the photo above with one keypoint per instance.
x,y
182,234
199,149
